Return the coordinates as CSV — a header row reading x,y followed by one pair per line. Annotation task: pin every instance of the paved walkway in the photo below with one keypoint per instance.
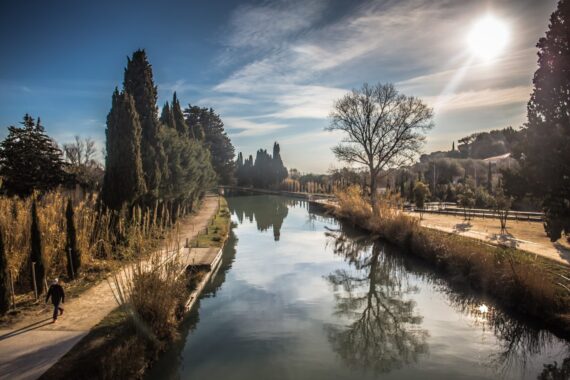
x,y
528,236
34,344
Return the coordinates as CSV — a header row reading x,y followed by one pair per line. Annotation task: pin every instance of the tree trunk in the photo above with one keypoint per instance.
x,y
373,188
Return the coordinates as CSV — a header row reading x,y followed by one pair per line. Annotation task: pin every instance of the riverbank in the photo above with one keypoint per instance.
x,y
119,347
526,284
31,346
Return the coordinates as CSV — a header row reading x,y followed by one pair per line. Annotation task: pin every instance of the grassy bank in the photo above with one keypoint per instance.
x,y
523,283
131,338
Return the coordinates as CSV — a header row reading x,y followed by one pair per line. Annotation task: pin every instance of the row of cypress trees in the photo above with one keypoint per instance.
x,y
266,171
151,158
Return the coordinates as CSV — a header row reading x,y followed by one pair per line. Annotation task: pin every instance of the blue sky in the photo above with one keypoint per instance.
x,y
272,69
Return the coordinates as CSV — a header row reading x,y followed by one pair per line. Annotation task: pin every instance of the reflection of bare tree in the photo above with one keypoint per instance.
x,y
384,331
519,341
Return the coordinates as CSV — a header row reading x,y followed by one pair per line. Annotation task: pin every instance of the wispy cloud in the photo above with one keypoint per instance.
x,y
241,127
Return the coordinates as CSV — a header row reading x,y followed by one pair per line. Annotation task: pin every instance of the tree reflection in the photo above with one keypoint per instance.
x,y
519,340
267,211
384,330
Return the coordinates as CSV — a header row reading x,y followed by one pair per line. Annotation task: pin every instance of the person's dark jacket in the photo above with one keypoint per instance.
x,y
56,293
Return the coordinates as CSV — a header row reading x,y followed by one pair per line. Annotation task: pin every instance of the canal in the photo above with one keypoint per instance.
x,y
301,296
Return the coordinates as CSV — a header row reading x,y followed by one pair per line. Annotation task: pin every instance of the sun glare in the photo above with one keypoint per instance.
x,y
488,38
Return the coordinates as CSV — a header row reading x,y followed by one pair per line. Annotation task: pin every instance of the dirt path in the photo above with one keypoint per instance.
x,y
528,236
34,344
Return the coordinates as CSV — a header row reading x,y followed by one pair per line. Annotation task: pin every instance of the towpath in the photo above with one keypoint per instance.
x,y
32,345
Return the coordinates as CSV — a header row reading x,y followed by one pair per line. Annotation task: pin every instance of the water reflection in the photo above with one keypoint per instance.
x,y
168,367
267,211
519,340
384,331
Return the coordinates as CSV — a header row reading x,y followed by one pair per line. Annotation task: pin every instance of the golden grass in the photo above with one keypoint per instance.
x,y
103,236
522,282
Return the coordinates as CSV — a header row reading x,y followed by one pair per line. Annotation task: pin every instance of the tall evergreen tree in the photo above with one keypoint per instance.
x,y
166,117
138,82
4,279
36,255
189,165
279,170
195,118
489,178
545,157
72,252
30,160
178,119
216,139
124,181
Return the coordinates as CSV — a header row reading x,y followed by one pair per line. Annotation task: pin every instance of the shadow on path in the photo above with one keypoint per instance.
x,y
25,329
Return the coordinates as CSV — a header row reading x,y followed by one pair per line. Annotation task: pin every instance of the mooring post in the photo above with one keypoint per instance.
x,y
34,279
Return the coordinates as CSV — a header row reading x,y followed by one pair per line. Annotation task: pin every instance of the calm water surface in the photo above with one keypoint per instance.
x,y
300,296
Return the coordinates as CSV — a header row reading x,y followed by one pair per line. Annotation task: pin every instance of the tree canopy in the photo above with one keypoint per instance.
x,y
30,160
544,154
382,129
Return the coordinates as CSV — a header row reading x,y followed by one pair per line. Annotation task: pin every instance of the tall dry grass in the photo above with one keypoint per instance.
x,y
103,236
525,283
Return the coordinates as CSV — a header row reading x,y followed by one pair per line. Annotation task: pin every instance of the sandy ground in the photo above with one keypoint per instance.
x,y
528,236
32,345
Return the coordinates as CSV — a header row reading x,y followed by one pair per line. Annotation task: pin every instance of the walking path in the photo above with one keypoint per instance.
x,y
34,344
527,236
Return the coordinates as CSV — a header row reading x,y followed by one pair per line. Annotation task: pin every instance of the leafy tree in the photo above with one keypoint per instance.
x,y
545,154
421,193
36,255
382,128
502,205
189,165
30,160
467,201
123,181
4,279
216,139
72,251
138,82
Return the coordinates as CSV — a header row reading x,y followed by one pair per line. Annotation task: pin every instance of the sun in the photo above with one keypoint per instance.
x,y
488,38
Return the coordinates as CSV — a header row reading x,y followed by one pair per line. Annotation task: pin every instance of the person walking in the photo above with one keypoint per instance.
x,y
57,298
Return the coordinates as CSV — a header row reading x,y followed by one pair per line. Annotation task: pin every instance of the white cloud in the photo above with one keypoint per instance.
x,y
247,127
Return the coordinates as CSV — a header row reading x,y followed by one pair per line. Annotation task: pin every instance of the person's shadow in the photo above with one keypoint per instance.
x,y
25,329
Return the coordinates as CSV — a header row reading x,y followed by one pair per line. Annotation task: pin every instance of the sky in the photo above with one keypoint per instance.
x,y
272,69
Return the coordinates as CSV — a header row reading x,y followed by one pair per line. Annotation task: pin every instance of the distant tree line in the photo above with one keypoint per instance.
x,y
267,171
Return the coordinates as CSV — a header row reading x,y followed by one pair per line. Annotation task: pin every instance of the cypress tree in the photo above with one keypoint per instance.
x,y
123,181
138,82
178,119
489,179
166,116
4,279
545,150
71,249
36,250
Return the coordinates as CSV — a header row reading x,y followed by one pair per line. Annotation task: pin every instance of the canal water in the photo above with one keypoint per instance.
x,y
301,296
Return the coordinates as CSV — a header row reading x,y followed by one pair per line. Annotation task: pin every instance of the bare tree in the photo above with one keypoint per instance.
x,y
82,161
383,129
